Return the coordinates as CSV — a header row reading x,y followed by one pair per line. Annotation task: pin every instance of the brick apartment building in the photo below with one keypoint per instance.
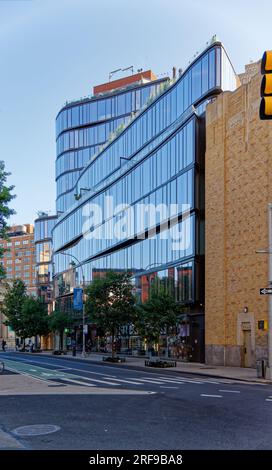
x,y
19,262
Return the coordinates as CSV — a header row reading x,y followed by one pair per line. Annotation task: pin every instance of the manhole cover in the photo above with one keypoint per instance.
x,y
36,430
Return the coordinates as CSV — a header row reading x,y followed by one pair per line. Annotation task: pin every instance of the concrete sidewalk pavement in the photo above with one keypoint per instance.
x,y
237,373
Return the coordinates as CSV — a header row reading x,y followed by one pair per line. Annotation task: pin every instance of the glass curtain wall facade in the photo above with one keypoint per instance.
x,y
43,248
83,127
153,176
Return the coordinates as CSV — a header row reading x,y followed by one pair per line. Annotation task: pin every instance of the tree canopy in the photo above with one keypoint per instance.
x,y
58,321
110,303
156,315
14,298
25,315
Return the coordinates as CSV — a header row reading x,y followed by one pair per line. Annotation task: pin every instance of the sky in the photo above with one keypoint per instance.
x,y
53,51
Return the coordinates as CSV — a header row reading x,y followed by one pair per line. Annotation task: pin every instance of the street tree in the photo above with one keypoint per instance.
x,y
13,302
34,318
5,211
110,303
156,316
58,321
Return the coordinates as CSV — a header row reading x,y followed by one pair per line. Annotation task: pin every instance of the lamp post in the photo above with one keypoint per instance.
x,y
83,308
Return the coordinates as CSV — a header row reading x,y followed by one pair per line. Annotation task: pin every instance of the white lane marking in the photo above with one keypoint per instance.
x,y
96,380
161,386
33,370
212,396
126,381
230,391
150,381
191,381
172,381
78,382
268,399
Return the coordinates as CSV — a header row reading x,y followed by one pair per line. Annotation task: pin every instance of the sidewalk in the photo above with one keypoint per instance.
x,y
237,373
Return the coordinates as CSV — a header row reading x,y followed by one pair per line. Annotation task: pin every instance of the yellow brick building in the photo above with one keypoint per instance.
x,y
238,181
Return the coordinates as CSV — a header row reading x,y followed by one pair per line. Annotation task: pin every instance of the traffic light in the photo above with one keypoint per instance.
x,y
266,86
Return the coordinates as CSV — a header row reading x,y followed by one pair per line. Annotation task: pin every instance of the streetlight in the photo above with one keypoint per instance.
x,y
83,308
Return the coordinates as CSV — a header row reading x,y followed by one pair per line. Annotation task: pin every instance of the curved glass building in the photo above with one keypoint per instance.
x,y
139,202
82,127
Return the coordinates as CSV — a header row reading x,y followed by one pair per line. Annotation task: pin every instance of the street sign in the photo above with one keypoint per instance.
x,y
78,299
85,329
266,291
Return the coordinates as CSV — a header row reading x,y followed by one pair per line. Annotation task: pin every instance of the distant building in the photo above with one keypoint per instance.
x,y
44,267
19,263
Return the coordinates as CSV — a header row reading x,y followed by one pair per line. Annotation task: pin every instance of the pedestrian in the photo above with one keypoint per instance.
x,y
4,345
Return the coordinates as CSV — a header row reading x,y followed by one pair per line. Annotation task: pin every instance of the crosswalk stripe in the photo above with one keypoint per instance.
x,y
149,381
211,396
97,380
128,381
172,381
77,382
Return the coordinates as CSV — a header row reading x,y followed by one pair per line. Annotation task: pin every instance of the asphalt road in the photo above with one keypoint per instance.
x,y
122,408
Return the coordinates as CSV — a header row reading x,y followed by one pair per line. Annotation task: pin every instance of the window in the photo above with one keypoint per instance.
x,y
26,266
25,242
17,261
17,243
9,261
9,244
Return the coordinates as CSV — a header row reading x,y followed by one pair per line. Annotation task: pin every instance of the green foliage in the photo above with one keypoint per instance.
x,y
5,211
156,315
34,318
25,315
13,303
58,321
110,303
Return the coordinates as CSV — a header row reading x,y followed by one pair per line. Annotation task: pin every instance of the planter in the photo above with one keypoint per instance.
x,y
59,353
160,363
114,359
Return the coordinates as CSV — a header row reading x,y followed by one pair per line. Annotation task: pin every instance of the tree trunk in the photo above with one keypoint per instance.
x,y
113,351
61,340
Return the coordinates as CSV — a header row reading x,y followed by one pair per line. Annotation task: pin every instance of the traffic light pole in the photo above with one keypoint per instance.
x,y
270,284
